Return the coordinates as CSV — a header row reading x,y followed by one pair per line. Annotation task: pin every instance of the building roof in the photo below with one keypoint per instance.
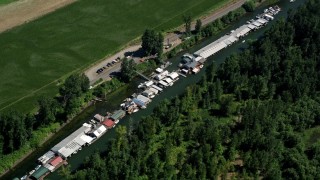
x,y
98,117
40,172
143,98
149,83
57,160
86,138
67,146
173,75
46,157
190,65
251,26
99,131
108,123
138,102
118,115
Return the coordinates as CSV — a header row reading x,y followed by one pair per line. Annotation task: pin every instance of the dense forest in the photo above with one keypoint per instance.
x,y
244,119
19,133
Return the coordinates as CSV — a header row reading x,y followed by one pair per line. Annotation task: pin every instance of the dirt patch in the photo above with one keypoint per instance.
x,y
23,11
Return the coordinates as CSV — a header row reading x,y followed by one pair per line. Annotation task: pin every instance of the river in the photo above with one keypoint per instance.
x,y
115,99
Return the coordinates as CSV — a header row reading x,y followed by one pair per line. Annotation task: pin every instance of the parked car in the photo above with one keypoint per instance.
x,y
109,64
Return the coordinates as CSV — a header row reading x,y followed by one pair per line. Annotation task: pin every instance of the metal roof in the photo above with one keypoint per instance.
x,y
69,145
40,172
99,131
118,115
143,98
45,158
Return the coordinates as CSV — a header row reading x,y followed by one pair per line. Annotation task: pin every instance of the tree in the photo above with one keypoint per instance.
x,y
152,42
198,26
74,86
127,70
48,109
249,6
187,23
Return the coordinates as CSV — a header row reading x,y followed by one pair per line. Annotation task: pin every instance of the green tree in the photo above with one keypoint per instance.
x,y
48,109
187,23
152,42
198,26
249,5
128,69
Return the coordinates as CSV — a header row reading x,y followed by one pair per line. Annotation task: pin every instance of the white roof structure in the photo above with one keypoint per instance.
x,y
163,83
241,31
87,139
99,131
262,21
148,83
80,141
251,26
46,157
159,70
157,88
168,80
256,23
86,125
155,91
198,58
174,75
70,144
143,99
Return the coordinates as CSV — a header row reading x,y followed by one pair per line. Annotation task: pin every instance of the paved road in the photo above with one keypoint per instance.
x,y
173,38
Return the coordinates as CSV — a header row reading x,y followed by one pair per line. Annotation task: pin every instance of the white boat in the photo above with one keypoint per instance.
x,y
37,167
135,110
116,121
292,0
31,172
24,177
243,41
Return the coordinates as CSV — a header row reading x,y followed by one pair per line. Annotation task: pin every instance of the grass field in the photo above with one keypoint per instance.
x,y
3,2
35,55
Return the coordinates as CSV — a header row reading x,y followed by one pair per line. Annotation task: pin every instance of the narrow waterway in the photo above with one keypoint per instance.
x,y
116,98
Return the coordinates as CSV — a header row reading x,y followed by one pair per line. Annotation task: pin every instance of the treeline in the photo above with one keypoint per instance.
x,y
243,120
17,129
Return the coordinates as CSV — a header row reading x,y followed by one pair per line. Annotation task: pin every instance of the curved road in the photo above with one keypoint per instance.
x,y
172,37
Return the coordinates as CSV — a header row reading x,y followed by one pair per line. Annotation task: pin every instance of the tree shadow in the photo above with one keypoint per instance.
x,y
135,54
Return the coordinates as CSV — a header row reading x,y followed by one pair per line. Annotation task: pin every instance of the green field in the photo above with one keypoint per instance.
x,y
34,56
3,2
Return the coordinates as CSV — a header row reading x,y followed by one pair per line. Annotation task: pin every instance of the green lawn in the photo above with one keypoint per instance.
x,y
3,2
34,56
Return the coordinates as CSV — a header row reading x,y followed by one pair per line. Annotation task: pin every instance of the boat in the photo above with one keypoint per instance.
x,y
243,41
24,177
31,172
116,121
37,167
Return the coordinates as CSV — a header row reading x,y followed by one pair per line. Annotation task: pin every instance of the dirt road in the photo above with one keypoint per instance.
x,y
23,11
173,38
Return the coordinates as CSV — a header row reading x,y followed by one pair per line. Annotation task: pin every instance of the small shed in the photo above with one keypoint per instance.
x,y
117,115
108,123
